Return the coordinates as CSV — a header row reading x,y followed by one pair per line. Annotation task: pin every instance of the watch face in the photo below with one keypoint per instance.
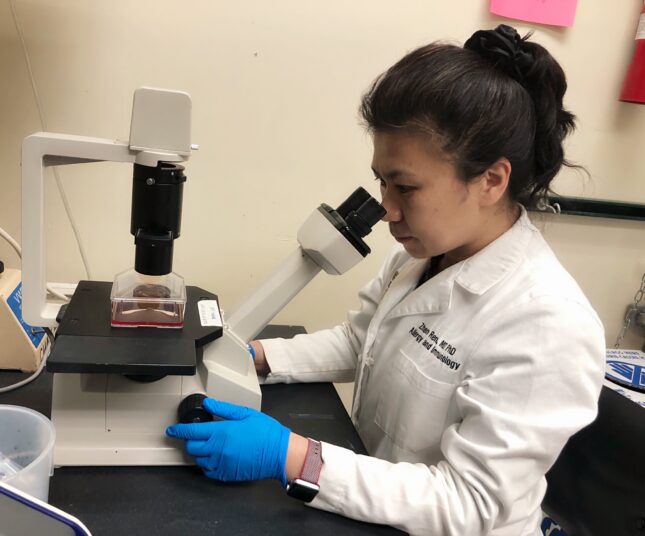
x,y
303,490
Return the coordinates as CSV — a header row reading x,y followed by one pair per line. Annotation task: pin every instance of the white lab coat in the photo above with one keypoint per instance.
x,y
466,388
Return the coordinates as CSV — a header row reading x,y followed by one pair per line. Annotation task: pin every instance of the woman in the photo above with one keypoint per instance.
x,y
475,355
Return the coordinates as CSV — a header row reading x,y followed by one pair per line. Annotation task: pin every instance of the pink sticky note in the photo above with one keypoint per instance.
x,y
554,12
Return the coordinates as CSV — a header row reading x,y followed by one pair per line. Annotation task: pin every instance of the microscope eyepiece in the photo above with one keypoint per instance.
x,y
353,202
361,212
365,217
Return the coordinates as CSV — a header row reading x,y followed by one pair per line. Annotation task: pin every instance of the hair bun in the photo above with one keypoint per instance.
x,y
503,47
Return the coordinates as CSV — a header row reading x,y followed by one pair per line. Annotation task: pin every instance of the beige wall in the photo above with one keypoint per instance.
x,y
275,88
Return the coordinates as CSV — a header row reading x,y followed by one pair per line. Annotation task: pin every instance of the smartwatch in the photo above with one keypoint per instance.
x,y
305,487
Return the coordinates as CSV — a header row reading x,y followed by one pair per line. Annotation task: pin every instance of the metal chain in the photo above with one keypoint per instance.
x,y
632,311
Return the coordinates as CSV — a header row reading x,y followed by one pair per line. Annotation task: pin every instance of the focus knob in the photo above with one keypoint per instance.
x,y
192,410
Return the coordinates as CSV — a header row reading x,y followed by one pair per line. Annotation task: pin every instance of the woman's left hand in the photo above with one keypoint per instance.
x,y
243,444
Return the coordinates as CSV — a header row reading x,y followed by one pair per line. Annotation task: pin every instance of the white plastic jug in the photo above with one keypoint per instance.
x,y
26,450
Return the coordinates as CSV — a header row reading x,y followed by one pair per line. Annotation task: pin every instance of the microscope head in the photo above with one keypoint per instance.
x,y
334,238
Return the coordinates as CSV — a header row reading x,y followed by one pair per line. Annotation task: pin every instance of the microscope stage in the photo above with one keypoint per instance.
x,y
86,342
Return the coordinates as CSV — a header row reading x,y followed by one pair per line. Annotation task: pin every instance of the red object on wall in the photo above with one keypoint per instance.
x,y
634,86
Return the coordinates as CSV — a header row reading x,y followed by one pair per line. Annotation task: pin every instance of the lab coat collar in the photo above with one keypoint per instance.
x,y
490,265
402,283
431,297
477,274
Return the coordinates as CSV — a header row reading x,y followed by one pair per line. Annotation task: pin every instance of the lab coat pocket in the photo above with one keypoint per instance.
x,y
412,408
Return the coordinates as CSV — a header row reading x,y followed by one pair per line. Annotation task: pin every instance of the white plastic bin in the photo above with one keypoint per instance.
x,y
26,450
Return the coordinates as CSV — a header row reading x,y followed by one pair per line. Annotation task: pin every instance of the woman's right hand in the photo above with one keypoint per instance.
x,y
261,365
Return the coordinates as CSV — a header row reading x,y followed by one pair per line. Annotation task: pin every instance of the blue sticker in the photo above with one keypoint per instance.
x,y
15,304
551,528
627,373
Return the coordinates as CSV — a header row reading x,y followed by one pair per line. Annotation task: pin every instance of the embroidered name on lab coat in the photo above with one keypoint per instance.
x,y
439,348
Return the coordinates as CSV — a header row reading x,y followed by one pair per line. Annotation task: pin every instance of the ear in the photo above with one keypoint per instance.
x,y
494,182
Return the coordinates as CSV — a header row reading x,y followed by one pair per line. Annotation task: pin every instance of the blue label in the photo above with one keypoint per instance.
x,y
551,528
627,373
15,304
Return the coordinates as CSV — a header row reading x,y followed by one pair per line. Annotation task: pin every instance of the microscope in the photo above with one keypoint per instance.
x,y
135,355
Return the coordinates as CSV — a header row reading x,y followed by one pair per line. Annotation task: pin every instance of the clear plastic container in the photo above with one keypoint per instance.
x,y
26,450
148,301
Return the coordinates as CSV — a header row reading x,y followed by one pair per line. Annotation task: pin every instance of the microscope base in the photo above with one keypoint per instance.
x,y
109,419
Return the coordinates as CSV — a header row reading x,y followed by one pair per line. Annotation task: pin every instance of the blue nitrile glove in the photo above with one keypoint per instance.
x,y
247,445
251,351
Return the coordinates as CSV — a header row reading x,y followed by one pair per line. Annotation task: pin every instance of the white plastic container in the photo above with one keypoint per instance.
x,y
26,450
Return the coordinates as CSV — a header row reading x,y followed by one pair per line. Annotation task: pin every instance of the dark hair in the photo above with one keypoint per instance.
x,y
499,96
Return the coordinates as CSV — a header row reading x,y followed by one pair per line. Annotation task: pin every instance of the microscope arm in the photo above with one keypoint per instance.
x,y
227,371
248,318
322,247
39,151
329,240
